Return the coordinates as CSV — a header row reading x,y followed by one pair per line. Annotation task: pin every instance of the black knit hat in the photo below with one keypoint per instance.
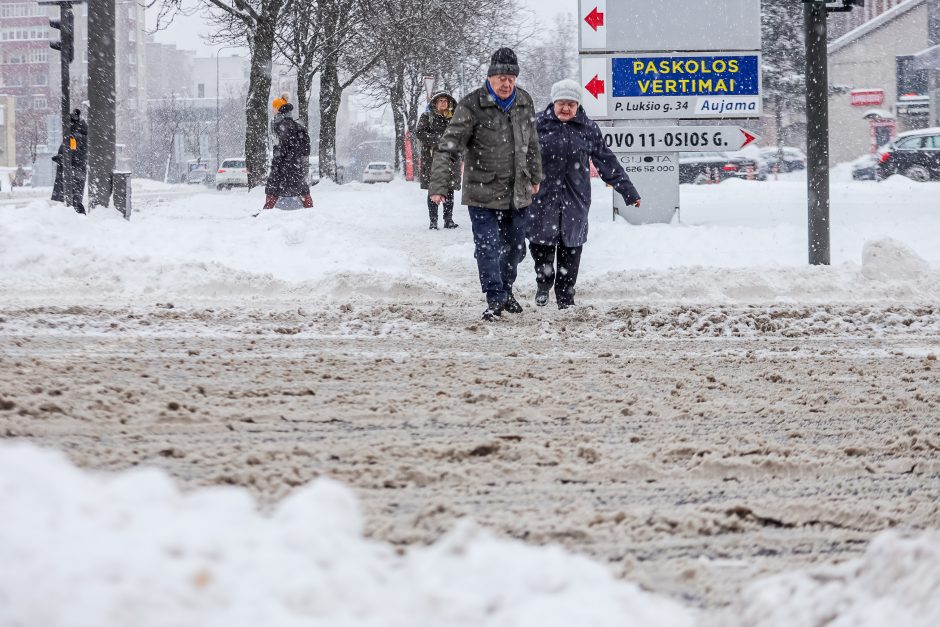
x,y
503,61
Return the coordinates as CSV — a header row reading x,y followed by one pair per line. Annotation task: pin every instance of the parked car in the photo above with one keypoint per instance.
x,y
701,167
793,158
704,167
378,171
915,154
196,177
865,168
746,165
232,173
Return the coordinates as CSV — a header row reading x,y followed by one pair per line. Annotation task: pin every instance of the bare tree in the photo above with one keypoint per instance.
x,y
31,132
255,23
447,38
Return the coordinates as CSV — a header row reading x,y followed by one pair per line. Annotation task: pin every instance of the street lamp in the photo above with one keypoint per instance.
x,y
218,113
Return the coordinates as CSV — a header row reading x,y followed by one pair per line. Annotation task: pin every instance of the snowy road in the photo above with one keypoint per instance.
x,y
690,463
715,410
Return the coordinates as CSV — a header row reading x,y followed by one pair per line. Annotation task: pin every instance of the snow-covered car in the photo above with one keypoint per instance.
x,y
232,173
915,154
378,172
793,158
865,168
197,176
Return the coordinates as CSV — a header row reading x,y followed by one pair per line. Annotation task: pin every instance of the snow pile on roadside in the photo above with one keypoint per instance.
x,y
83,549
738,242
897,582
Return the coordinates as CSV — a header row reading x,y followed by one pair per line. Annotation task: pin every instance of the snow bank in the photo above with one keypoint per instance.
x,y
84,549
738,242
897,582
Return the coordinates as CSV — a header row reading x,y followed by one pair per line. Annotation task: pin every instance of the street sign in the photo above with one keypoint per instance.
x,y
656,139
656,177
868,97
668,25
686,86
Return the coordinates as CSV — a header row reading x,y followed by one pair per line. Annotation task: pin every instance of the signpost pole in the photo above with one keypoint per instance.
x,y
817,131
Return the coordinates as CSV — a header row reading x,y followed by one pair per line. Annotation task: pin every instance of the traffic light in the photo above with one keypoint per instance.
x,y
66,26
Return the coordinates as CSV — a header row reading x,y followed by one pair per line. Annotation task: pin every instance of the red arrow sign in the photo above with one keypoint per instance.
x,y
594,19
748,138
595,87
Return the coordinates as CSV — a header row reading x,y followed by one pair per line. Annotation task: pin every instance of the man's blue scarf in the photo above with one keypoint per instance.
x,y
506,104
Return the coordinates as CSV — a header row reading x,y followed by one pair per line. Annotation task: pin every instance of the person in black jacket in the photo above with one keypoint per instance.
x,y
558,216
290,162
78,159
430,129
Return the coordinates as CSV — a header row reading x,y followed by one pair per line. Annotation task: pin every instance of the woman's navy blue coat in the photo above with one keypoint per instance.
x,y
560,210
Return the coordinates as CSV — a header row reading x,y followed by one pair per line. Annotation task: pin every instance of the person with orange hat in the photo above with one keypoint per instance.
x,y
289,163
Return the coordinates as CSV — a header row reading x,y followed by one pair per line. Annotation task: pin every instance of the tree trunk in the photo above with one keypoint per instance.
x,y
330,95
398,115
304,82
259,87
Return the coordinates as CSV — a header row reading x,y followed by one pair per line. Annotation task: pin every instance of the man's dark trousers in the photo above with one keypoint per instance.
x,y
569,261
499,243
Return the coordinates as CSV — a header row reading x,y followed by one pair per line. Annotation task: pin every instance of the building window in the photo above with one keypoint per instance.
x,y
39,55
41,80
201,90
39,102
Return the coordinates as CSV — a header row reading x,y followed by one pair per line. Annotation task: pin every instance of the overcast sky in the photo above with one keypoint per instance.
x,y
186,31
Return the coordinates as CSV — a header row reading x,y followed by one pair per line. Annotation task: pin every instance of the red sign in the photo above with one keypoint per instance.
x,y
595,86
594,19
868,97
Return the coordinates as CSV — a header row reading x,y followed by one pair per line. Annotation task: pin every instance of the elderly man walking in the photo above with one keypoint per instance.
x,y
494,128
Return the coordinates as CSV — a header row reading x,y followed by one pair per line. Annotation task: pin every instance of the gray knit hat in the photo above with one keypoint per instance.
x,y
566,89
503,61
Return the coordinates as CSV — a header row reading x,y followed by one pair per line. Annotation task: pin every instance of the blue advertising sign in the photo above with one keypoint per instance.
x,y
667,77
684,86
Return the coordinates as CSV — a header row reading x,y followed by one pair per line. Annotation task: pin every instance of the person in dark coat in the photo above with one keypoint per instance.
x,y
494,129
78,159
430,129
558,216
290,162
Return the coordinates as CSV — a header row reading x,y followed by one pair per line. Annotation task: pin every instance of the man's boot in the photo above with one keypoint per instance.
x,y
432,213
307,201
449,218
269,202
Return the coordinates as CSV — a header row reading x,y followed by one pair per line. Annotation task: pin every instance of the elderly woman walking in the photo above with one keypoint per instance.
x,y
430,129
558,216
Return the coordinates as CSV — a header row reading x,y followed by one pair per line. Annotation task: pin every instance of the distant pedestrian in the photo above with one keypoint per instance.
x,y
494,128
430,129
558,216
291,158
77,151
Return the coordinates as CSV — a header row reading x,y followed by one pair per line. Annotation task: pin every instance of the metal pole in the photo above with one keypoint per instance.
x,y
65,17
101,102
817,132
218,115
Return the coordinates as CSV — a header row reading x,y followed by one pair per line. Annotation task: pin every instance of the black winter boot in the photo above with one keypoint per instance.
x,y
432,213
512,305
541,297
493,310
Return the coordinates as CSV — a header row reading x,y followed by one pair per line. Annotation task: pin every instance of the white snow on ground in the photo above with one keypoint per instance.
x,y
897,582
82,549
737,242
90,549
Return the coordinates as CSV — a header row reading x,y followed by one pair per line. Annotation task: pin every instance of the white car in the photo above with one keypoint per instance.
x,y
232,173
380,171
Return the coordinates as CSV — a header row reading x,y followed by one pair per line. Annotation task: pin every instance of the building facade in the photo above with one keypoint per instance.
x,y
879,92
